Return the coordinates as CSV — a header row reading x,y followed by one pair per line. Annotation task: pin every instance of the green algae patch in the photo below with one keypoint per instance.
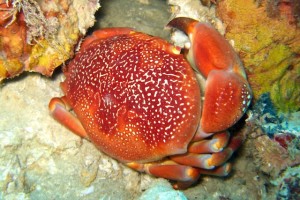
x,y
285,93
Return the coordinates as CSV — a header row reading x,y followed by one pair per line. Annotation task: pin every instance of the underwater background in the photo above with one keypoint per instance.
x,y
40,159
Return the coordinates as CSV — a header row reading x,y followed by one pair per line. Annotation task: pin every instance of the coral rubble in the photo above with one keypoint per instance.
x,y
39,36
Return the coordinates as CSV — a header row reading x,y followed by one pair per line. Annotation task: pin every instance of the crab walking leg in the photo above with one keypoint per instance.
x,y
227,92
217,159
59,110
214,144
221,171
210,161
187,175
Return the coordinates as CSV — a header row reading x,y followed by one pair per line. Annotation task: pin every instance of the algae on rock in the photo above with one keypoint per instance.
x,y
269,48
39,36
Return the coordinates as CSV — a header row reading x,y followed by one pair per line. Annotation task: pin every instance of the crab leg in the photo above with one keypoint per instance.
x,y
59,109
210,161
184,175
186,169
223,170
205,161
227,92
214,144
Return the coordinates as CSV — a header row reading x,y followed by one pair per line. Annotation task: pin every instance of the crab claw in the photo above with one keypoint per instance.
x,y
227,92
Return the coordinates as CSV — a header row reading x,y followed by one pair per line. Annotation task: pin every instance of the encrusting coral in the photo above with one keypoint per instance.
x,y
269,47
39,36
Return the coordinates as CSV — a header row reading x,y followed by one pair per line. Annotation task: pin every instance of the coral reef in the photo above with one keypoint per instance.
x,y
270,121
268,42
289,9
288,184
39,36
269,48
277,137
271,157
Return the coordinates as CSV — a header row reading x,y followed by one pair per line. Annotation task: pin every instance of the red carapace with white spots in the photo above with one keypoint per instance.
x,y
138,100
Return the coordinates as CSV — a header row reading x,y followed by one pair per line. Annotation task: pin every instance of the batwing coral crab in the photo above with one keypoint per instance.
x,y
138,100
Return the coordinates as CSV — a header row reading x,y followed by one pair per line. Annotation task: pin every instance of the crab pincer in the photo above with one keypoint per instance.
x,y
227,92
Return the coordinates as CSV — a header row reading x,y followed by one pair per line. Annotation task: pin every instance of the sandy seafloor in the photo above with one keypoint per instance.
x,y
40,159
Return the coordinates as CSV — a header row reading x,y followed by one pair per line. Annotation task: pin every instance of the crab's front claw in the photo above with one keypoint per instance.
x,y
227,97
227,92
